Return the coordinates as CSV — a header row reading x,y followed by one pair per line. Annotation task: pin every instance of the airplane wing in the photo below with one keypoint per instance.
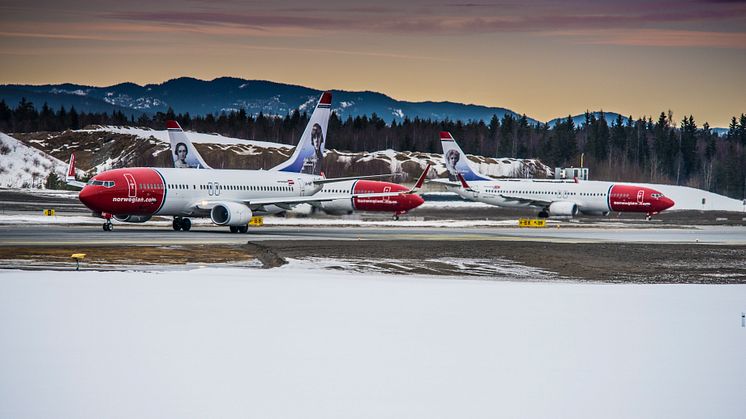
x,y
532,202
289,202
342,179
445,182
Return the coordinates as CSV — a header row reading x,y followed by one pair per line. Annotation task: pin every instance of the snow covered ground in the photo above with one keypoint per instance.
x,y
299,341
24,166
195,137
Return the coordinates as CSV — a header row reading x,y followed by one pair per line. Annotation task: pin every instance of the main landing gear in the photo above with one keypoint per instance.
x,y
544,214
182,224
239,229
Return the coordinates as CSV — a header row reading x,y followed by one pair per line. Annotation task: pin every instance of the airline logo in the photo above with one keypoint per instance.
x,y
291,182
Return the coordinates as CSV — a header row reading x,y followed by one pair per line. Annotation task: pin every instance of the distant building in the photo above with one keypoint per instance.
x,y
571,173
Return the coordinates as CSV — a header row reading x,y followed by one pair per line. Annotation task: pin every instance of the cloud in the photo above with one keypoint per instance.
x,y
434,24
660,38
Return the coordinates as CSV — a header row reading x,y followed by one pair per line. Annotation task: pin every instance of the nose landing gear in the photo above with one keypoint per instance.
x,y
181,224
108,226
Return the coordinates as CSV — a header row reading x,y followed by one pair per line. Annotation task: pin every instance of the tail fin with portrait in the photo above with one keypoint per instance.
x,y
308,156
184,153
456,161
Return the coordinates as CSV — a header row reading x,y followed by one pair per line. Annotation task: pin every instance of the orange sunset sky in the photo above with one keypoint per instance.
x,y
543,58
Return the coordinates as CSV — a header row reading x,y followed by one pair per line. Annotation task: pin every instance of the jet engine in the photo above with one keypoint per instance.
x,y
230,214
132,218
563,209
597,213
338,207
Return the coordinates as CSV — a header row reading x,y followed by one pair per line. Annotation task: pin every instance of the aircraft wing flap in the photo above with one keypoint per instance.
x,y
292,200
444,182
529,201
344,179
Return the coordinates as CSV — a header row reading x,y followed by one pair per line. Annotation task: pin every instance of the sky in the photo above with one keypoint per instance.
x,y
543,58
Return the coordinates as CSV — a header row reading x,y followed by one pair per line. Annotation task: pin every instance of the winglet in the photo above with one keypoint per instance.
x,y
71,168
463,182
70,175
421,180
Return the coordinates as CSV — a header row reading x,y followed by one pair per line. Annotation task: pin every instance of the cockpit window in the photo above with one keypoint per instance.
x,y
657,195
104,183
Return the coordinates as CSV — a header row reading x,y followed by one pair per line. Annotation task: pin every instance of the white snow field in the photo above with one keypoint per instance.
x,y
302,342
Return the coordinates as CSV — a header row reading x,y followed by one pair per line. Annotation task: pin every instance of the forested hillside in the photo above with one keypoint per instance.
x,y
661,150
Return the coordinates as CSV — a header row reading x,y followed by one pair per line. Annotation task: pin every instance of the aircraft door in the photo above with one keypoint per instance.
x,y
217,189
387,189
640,196
301,187
209,188
131,185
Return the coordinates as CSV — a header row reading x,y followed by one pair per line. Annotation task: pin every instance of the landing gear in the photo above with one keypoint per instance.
x,y
108,226
543,214
239,229
181,224
396,217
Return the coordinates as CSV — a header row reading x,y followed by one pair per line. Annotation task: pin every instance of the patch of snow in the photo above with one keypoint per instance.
x,y
244,85
77,92
24,166
195,137
397,113
232,342
686,198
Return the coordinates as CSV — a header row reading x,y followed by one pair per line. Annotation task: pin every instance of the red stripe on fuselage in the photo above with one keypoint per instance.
x,y
136,191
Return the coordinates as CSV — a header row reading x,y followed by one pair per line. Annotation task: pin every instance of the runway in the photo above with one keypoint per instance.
x,y
64,235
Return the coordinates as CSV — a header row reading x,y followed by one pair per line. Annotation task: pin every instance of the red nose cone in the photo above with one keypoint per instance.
x,y
415,201
86,197
667,203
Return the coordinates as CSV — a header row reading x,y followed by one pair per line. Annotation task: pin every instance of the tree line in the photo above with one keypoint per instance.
x,y
662,150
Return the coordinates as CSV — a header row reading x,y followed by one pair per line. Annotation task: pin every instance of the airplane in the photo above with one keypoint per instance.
x,y
553,197
229,197
186,155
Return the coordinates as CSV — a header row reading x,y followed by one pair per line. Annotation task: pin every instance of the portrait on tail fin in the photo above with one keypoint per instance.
x,y
314,164
452,157
180,161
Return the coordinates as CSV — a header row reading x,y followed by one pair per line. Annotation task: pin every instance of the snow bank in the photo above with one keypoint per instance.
x,y
195,137
298,341
24,166
687,198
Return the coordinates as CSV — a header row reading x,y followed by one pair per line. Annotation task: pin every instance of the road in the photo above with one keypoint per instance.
x,y
34,234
